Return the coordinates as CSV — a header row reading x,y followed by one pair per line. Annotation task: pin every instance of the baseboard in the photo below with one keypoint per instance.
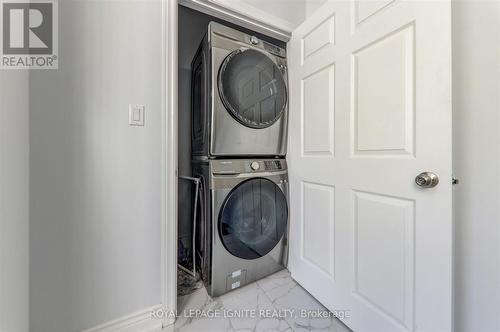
x,y
139,321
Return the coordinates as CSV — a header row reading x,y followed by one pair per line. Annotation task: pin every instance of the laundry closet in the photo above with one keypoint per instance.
x,y
307,150
233,182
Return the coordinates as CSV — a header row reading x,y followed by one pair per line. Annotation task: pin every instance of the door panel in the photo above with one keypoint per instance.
x,y
384,254
370,108
383,95
319,37
318,224
318,124
365,9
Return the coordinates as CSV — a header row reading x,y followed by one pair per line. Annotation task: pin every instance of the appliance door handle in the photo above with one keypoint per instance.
x,y
226,173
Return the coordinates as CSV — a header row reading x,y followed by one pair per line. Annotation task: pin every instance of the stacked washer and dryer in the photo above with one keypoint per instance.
x,y
239,137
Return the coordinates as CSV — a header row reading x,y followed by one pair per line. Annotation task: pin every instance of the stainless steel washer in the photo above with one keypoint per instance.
x,y
239,94
246,221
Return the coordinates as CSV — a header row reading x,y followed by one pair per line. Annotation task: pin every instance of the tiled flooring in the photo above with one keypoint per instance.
x,y
277,294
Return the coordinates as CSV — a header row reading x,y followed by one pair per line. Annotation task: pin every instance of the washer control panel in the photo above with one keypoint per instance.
x,y
254,40
273,165
234,167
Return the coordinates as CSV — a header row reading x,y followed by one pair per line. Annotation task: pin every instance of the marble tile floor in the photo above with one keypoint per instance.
x,y
275,303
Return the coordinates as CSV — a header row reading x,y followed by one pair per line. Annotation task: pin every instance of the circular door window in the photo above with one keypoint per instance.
x,y
252,88
253,218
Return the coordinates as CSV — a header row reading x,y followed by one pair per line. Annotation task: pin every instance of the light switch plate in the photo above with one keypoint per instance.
x,y
136,115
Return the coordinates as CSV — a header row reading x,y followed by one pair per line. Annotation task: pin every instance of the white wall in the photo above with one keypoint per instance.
x,y
312,6
96,190
292,11
284,14
14,201
476,96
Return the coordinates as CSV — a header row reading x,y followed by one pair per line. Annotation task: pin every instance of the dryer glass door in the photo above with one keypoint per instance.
x,y
253,218
198,105
252,88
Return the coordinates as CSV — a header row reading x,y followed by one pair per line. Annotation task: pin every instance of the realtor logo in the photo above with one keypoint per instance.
x,y
29,34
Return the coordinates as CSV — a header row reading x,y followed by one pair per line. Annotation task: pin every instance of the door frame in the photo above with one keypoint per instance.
x,y
169,160
169,129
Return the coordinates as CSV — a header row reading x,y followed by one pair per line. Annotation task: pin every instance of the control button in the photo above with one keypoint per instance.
x,y
255,165
254,40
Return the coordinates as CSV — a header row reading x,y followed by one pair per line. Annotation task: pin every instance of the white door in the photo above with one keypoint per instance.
x,y
370,109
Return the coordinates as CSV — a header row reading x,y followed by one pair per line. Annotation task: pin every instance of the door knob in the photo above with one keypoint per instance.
x,y
427,180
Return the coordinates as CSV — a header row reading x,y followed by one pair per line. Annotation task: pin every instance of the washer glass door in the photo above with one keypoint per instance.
x,y
252,88
253,218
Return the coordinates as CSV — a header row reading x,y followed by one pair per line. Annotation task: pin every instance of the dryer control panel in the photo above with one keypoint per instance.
x,y
219,30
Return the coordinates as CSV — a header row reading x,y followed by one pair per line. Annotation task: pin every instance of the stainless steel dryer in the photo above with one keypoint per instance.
x,y
239,96
244,230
